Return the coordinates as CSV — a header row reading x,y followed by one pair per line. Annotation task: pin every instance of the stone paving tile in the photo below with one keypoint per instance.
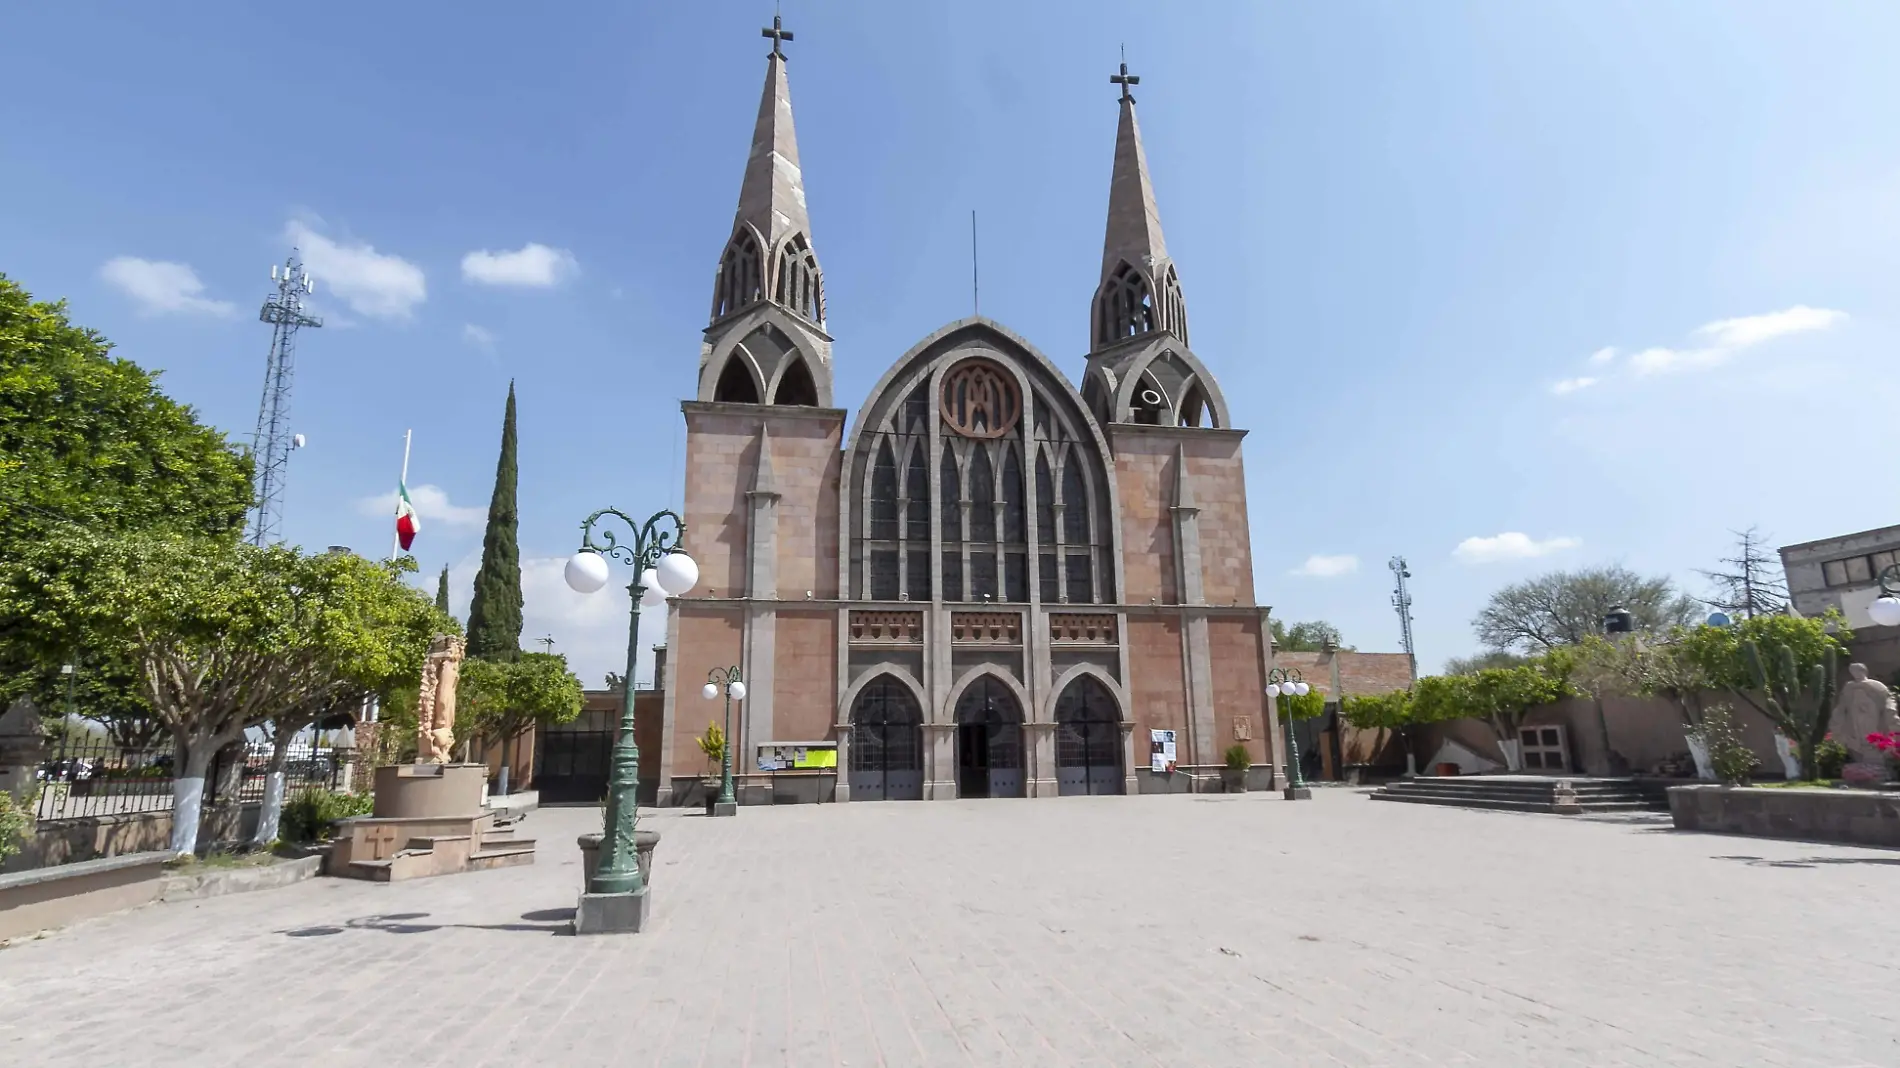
x,y
1173,931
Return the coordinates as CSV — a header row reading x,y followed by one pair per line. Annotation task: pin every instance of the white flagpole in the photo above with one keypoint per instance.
x,y
395,538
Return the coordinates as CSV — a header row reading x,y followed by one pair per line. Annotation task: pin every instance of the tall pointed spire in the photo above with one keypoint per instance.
x,y
769,255
1139,291
772,197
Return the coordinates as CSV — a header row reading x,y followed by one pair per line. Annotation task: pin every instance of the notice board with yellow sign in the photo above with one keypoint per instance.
x,y
798,756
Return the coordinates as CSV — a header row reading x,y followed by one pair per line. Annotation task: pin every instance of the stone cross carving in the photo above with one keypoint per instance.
x,y
435,700
1865,706
381,841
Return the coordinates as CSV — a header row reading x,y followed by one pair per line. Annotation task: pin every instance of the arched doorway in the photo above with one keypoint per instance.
x,y
887,744
989,741
1088,739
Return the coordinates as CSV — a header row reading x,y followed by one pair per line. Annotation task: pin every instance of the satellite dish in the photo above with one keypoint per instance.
x,y
1151,398
296,441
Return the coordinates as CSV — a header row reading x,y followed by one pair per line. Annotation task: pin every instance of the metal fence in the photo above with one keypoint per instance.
x,y
95,777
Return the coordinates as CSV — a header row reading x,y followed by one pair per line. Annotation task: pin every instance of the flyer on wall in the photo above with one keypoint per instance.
x,y
1161,751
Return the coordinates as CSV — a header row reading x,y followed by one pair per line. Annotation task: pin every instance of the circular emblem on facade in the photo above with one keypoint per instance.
x,y
980,399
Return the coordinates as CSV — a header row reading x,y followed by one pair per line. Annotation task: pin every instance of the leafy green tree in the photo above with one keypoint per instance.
x,y
1307,637
1491,658
1394,711
88,443
1782,666
226,635
1296,706
494,616
1497,697
504,698
1565,607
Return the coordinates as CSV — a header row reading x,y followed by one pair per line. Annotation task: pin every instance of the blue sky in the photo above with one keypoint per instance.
x,y
1403,230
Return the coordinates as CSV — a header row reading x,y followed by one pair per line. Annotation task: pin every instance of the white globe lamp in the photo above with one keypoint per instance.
x,y
1885,611
737,690
654,596
1273,689
1301,689
709,692
678,574
586,572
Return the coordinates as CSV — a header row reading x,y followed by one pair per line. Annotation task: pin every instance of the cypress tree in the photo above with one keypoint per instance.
x,y
442,591
494,615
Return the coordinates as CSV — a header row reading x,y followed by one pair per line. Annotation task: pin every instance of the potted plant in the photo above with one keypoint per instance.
x,y
713,744
1233,777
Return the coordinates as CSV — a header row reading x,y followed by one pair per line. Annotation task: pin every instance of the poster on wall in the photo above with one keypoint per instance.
x,y
1161,751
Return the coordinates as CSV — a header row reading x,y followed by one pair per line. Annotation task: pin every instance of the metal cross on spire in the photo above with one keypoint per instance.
x,y
1125,79
778,33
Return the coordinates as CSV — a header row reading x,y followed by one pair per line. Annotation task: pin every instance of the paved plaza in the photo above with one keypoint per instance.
x,y
1178,931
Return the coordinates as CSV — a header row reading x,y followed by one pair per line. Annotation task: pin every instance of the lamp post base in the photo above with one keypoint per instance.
x,y
612,913
1297,793
725,808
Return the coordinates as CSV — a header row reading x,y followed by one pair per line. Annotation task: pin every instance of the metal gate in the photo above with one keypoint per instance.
x,y
989,741
887,743
1088,740
573,766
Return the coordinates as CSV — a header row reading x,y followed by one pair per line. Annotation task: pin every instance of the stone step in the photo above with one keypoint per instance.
x,y
500,858
1506,804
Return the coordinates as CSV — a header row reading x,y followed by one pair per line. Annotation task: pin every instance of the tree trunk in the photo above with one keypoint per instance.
x,y
270,813
188,788
225,819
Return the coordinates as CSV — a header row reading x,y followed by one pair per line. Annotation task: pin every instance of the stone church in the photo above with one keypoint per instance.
x,y
995,584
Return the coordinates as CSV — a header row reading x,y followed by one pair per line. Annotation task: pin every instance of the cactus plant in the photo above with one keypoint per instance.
x,y
1798,705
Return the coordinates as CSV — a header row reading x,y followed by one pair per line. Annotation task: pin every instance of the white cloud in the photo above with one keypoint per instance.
x,y
432,506
1321,566
530,265
160,286
1571,385
372,283
1510,545
1722,339
479,336
1755,329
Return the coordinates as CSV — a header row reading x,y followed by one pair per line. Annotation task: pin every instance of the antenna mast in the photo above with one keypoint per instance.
x,y
271,444
1402,604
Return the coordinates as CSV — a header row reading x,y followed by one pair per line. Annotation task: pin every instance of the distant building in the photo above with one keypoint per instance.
x,y
1843,573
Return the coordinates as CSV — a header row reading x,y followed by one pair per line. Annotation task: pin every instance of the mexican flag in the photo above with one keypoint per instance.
x,y
407,523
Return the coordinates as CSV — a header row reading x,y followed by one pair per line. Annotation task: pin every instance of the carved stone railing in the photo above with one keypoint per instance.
x,y
887,628
1078,628
986,628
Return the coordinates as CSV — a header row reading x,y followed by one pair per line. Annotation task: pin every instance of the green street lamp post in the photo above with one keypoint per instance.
x,y
1285,681
617,900
725,680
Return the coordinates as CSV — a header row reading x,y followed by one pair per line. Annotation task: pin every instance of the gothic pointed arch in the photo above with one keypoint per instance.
x,y
1124,305
738,383
886,720
1007,435
741,279
796,387
800,284
1088,738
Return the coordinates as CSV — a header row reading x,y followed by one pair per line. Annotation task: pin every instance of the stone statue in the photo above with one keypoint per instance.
x,y
1865,706
435,703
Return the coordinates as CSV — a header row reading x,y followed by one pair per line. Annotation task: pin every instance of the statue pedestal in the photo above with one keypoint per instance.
x,y
612,913
428,820
409,791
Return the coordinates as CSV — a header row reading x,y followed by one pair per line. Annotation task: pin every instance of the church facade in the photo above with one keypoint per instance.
x,y
994,583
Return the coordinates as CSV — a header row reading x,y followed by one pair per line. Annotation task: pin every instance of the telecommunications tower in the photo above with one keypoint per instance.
x,y
1402,604
271,445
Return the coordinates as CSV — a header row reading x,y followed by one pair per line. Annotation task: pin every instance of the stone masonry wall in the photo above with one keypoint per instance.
x,y
721,462
805,701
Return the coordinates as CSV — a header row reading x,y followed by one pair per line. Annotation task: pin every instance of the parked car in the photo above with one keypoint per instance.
x,y
70,769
